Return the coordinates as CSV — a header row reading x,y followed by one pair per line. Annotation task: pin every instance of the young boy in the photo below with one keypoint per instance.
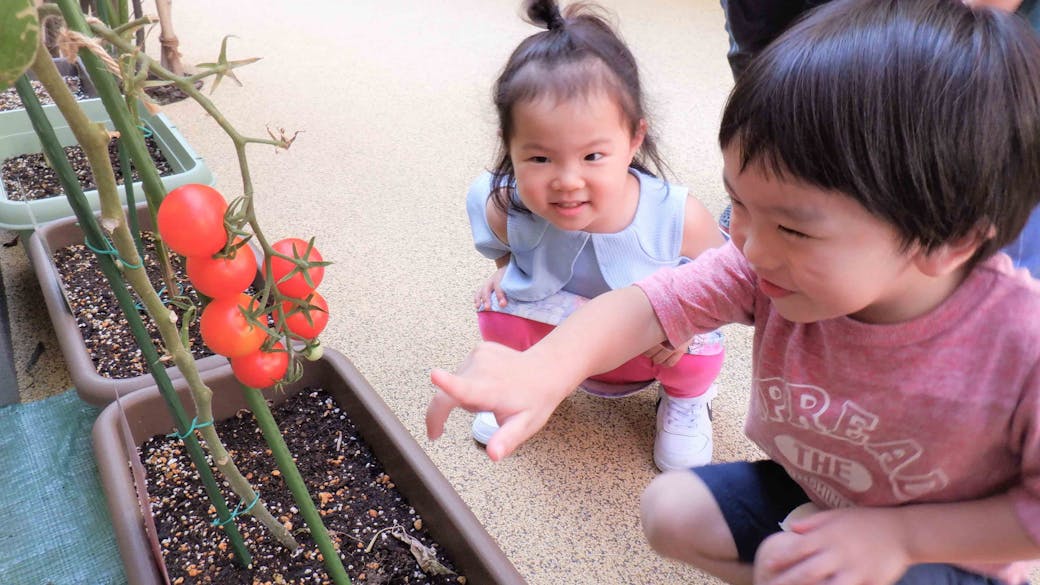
x,y
878,155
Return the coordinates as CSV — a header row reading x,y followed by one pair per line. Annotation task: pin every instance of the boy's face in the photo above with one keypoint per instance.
x,y
818,254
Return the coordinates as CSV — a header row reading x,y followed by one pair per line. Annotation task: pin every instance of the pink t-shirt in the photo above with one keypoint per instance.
x,y
942,408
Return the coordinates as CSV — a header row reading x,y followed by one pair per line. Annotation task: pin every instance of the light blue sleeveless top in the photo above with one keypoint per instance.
x,y
544,258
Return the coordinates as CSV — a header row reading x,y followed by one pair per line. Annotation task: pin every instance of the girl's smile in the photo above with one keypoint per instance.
x,y
571,159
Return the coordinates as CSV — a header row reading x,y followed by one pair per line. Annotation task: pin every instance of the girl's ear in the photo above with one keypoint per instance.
x,y
638,136
952,255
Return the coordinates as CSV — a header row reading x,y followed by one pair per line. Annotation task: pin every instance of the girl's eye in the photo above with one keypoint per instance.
x,y
594,156
792,232
539,159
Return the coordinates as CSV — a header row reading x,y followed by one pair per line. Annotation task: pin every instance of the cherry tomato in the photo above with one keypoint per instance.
x,y
222,277
260,368
191,220
297,322
225,329
296,286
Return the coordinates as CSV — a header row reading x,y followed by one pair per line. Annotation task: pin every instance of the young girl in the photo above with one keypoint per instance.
x,y
878,156
571,211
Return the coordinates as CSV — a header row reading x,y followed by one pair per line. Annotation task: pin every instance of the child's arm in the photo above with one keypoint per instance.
x,y
700,230
524,388
700,233
876,545
490,236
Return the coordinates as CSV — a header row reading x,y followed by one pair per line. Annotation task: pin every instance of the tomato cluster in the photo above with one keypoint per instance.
x,y
191,222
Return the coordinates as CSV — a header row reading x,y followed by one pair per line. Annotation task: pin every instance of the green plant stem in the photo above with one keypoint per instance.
x,y
187,85
94,140
74,193
128,186
332,562
283,457
108,91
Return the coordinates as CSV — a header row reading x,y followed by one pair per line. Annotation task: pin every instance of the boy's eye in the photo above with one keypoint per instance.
x,y
594,156
792,232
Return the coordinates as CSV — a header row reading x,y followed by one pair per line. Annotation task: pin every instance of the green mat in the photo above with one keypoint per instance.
x,y
55,528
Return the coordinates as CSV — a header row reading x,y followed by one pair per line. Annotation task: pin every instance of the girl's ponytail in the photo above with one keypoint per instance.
x,y
544,13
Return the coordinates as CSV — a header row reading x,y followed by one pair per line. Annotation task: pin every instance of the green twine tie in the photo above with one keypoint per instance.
x,y
237,512
110,251
194,425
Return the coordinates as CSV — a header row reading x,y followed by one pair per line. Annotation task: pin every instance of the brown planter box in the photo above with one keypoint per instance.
x,y
91,386
447,517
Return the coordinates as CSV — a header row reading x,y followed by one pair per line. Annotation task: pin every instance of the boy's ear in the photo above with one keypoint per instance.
x,y
952,255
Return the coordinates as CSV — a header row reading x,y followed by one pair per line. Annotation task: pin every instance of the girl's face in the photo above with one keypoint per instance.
x,y
820,255
571,161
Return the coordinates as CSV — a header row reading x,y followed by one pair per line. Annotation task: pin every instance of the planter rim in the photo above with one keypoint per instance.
x,y
18,137
65,68
449,519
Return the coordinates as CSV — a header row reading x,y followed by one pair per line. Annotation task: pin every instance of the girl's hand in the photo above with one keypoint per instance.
x,y
521,388
493,286
664,355
851,546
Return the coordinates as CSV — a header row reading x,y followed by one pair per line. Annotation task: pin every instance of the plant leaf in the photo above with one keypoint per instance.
x,y
19,38
424,555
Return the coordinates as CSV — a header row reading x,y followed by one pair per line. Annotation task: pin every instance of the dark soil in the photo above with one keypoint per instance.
x,y
357,500
105,330
9,99
168,94
29,177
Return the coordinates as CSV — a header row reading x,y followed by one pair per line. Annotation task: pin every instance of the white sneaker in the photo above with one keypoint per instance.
x,y
683,432
484,425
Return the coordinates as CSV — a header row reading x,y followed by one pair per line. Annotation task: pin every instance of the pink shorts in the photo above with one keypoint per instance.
x,y
692,376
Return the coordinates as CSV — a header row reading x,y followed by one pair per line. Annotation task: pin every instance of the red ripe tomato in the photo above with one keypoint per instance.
x,y
226,331
296,286
261,369
222,277
191,220
297,322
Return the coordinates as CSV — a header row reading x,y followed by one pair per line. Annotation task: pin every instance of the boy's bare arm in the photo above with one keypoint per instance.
x,y
877,545
524,388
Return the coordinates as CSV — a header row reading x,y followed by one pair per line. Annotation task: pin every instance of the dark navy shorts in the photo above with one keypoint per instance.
x,y
755,497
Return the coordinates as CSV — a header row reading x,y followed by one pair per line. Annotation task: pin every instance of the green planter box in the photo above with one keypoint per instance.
x,y
17,138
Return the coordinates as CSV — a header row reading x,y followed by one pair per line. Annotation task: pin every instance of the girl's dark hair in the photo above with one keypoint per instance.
x,y
577,53
926,112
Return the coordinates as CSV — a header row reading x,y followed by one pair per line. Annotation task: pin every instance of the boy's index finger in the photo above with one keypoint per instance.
x,y
437,414
454,393
450,383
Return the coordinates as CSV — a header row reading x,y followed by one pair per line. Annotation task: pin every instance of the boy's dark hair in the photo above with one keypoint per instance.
x,y
926,112
577,54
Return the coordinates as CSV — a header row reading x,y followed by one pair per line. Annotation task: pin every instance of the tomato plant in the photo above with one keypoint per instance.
x,y
260,368
191,220
295,286
226,331
307,323
222,277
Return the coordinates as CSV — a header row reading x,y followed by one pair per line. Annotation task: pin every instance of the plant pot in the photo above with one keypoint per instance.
x,y
17,138
91,386
447,517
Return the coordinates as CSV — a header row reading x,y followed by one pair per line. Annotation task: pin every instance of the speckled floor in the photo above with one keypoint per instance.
x,y
393,101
